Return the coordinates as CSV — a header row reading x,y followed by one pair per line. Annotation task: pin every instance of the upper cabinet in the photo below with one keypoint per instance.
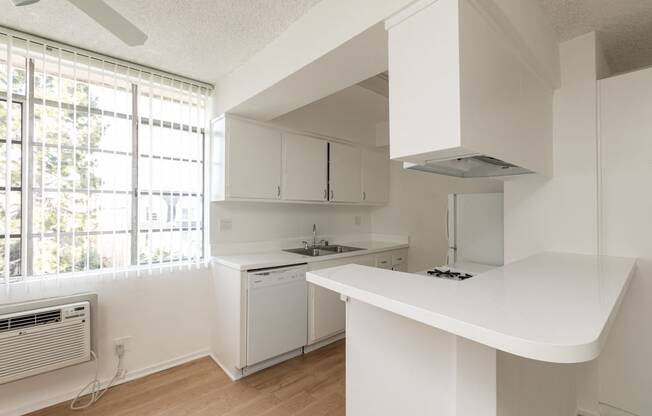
x,y
248,160
252,161
305,168
464,99
345,173
375,176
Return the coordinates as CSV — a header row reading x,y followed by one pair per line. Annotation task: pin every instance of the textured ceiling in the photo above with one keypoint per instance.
x,y
624,27
200,39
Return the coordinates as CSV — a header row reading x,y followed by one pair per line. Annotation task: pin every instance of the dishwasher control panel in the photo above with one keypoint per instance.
x,y
277,276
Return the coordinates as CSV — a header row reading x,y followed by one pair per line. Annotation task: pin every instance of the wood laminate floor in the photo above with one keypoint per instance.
x,y
312,385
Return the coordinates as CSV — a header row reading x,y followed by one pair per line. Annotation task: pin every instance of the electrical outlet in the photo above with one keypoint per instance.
x,y
125,342
358,220
225,224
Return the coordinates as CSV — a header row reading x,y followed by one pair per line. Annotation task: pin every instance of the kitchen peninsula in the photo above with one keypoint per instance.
x,y
504,342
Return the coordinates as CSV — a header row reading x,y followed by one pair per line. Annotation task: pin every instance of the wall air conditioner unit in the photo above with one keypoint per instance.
x,y
41,336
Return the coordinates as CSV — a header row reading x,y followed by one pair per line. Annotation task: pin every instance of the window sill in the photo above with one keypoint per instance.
x,y
130,271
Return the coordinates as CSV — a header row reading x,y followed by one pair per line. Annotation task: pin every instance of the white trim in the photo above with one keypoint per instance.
x,y
406,12
584,412
203,263
251,369
232,376
283,130
324,342
607,410
599,171
131,375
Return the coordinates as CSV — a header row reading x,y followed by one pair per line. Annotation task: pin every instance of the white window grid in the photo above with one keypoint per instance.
x,y
193,124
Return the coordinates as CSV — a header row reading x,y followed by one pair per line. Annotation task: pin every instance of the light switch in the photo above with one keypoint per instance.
x,y
358,220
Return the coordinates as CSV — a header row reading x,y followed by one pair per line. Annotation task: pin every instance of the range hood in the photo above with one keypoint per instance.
x,y
477,166
463,100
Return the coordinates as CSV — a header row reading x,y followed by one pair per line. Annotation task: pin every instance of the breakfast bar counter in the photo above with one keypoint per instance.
x,y
489,345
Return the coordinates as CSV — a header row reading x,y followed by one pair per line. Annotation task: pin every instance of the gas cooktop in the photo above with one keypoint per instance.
x,y
445,273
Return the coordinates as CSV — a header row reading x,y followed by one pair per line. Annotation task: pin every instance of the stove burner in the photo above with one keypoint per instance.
x,y
448,274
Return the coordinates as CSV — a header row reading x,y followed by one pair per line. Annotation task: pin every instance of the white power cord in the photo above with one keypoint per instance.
x,y
94,388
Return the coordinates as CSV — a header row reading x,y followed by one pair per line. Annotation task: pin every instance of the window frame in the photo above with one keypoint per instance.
x,y
23,101
27,190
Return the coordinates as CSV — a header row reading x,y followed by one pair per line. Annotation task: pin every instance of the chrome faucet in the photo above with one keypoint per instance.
x,y
315,244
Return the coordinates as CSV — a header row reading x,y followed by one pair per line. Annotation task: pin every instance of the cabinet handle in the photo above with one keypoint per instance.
x,y
364,196
332,194
278,191
325,194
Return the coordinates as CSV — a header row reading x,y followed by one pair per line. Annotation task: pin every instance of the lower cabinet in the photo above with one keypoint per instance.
x,y
326,311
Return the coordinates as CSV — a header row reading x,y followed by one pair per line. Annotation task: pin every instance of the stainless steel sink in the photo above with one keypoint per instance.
x,y
341,249
322,250
312,252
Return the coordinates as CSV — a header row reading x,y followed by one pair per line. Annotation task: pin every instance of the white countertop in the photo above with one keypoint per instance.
x,y
275,258
554,307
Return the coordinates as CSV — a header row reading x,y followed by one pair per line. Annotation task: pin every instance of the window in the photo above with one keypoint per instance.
x,y
106,163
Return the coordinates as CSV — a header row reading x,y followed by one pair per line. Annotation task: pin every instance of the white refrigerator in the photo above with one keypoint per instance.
x,y
474,228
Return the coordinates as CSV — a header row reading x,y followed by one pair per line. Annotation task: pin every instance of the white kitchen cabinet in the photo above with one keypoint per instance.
x,y
252,161
375,176
345,173
399,261
305,168
383,261
246,160
326,311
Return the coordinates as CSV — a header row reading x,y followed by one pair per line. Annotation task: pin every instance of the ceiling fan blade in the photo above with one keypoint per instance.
x,y
112,21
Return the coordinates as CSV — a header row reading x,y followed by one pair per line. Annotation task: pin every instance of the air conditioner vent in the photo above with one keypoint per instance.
x,y
30,320
34,341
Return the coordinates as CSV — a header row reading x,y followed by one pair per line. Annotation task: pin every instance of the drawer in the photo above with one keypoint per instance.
x,y
398,259
384,261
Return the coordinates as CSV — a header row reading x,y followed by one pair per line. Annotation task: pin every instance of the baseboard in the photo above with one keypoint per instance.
x,y
251,369
319,344
131,375
584,412
607,410
232,376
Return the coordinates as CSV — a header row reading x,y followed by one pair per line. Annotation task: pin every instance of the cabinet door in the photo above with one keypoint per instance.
x,y
254,161
305,165
345,173
375,176
326,311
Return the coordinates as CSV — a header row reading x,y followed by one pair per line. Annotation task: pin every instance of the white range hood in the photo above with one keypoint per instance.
x,y
464,98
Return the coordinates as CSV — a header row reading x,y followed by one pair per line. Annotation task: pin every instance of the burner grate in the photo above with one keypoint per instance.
x,y
449,274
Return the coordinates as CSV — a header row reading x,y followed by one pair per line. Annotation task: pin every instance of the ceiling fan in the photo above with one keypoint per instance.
x,y
107,17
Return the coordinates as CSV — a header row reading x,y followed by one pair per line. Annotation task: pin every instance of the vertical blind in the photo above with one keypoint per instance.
x,y
103,163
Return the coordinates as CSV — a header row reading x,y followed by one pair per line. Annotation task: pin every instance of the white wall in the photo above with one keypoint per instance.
x,y
323,29
561,213
626,152
352,114
417,208
164,312
259,222
597,203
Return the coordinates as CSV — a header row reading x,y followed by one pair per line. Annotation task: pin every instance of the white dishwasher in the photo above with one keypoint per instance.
x,y
277,312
